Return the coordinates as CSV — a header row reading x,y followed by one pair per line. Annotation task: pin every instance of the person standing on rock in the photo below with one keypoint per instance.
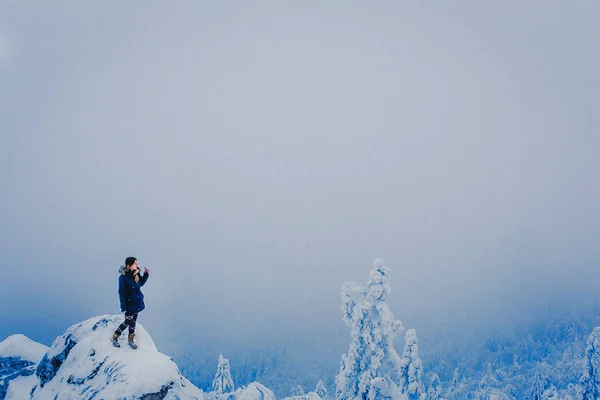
x,y
131,297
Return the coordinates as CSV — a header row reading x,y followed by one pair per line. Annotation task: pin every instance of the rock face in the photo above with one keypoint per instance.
x,y
83,364
18,359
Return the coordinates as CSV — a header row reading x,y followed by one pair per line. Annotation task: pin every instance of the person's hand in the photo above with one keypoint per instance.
x,y
146,270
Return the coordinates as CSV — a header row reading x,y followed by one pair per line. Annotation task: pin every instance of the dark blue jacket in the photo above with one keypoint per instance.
x,y
130,293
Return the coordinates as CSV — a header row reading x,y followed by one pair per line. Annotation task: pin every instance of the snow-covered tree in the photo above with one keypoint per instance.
x,y
373,328
435,388
590,381
458,389
538,386
223,383
550,394
492,394
298,391
321,390
489,380
411,369
380,390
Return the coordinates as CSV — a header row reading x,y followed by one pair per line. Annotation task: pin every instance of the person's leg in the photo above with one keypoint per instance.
x,y
119,331
123,326
132,331
132,323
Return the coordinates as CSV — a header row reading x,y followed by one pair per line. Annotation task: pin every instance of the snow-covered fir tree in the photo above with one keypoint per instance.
x,y
538,386
551,393
373,328
458,389
380,390
321,390
488,382
590,381
298,391
411,368
489,379
435,388
223,382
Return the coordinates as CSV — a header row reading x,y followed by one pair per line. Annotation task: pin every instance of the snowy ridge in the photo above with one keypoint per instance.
x,y
83,364
21,346
19,356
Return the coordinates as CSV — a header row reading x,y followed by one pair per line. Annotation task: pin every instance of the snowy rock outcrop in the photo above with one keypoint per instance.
x,y
254,391
19,356
83,364
308,396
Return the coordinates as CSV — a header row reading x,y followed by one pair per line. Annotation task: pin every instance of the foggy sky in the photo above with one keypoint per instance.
x,y
256,156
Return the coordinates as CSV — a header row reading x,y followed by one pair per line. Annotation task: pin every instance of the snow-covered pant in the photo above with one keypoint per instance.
x,y
130,320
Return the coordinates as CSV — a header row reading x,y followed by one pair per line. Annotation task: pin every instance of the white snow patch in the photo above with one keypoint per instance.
x,y
21,346
20,387
254,391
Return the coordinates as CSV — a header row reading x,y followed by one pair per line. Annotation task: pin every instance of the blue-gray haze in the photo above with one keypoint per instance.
x,y
255,156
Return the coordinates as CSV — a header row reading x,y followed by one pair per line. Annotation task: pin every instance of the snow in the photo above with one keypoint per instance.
x,y
307,396
21,346
82,363
21,387
254,391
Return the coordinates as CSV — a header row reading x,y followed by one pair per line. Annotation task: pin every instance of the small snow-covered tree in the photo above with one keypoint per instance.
x,y
590,381
458,389
492,394
373,328
411,368
538,386
223,383
550,394
489,380
298,391
435,388
321,390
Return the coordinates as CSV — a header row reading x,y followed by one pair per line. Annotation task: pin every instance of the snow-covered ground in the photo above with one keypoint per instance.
x,y
83,364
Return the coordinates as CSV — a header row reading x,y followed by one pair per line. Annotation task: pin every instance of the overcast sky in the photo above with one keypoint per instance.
x,y
255,156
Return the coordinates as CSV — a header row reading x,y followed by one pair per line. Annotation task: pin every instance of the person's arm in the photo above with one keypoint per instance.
x,y
122,295
144,278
